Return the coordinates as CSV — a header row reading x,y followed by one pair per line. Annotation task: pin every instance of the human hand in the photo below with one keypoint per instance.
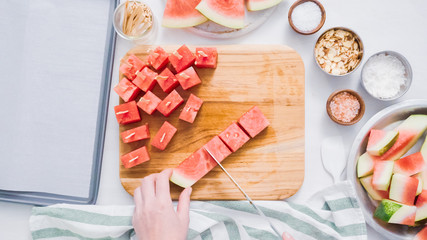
x,y
287,236
154,216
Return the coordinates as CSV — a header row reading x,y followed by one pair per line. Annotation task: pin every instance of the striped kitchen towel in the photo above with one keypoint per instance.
x,y
333,213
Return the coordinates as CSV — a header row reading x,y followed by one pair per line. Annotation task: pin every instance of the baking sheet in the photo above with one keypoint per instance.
x,y
53,96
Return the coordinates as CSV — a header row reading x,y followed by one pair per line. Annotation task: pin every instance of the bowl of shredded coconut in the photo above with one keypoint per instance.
x,y
387,75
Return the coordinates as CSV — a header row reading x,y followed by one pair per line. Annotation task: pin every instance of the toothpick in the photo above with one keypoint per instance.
x,y
133,159
163,137
130,135
122,112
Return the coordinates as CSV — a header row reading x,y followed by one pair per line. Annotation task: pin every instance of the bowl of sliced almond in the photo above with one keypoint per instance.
x,y
338,51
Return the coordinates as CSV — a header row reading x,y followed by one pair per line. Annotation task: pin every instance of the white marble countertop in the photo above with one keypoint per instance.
x,y
382,25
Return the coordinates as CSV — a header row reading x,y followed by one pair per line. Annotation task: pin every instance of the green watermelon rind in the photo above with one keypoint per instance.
x,y
386,209
181,180
170,22
214,16
261,5
384,144
365,165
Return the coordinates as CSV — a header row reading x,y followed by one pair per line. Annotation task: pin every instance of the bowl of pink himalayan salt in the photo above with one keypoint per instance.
x,y
345,107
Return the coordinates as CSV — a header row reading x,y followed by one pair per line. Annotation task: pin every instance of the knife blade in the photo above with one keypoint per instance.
x,y
259,211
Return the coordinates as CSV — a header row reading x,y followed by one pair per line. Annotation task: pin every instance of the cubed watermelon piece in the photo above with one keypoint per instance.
x,y
126,90
182,58
135,157
410,165
421,235
421,206
127,113
403,188
163,136
234,137
383,170
206,57
191,109
365,165
136,134
158,58
167,80
394,212
380,141
374,194
149,102
253,121
188,78
193,168
146,79
170,103
131,67
217,148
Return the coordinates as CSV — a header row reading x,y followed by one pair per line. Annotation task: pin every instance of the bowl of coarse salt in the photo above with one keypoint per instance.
x,y
387,75
306,16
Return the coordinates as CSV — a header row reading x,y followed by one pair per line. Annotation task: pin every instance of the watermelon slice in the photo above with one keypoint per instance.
x,y
365,165
135,157
374,194
380,141
167,80
218,149
158,58
206,57
424,149
382,175
131,67
163,136
410,165
403,189
170,103
188,78
191,109
145,80
234,137
253,121
126,90
182,58
127,113
182,14
256,5
193,168
136,134
421,206
421,235
229,13
420,183
149,102
394,212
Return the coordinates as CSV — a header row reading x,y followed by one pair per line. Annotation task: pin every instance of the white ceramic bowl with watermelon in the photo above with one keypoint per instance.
x,y
386,119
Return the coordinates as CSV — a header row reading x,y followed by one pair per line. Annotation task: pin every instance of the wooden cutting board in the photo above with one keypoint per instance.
x,y
269,166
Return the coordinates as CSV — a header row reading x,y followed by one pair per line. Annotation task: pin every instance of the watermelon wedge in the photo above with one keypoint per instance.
x,y
256,5
403,189
420,183
410,165
380,141
424,149
421,235
382,175
229,13
365,165
394,212
374,194
421,206
182,14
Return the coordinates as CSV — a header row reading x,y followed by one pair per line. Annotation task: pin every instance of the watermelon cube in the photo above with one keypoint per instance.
x,y
136,134
217,148
421,235
380,141
131,67
394,212
234,137
253,121
206,57
403,188
145,80
373,193
410,165
421,206
182,58
188,78
158,58
170,103
193,168
149,102
167,80
383,170
135,157
126,90
191,109
365,165
127,113
163,136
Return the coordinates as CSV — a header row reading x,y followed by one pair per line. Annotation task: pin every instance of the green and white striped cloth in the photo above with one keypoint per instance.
x,y
333,213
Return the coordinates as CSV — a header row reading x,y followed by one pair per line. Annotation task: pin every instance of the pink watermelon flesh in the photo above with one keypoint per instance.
x,y
421,235
410,165
383,171
229,13
380,141
182,14
421,206
403,189
256,5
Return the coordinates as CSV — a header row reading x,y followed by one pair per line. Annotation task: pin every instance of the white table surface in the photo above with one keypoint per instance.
x,y
382,24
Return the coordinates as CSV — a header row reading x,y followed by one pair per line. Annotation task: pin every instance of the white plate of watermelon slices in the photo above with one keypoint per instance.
x,y
218,19
388,119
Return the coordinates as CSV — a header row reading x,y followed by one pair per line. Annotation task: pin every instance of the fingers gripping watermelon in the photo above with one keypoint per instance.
x,y
229,13
182,14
